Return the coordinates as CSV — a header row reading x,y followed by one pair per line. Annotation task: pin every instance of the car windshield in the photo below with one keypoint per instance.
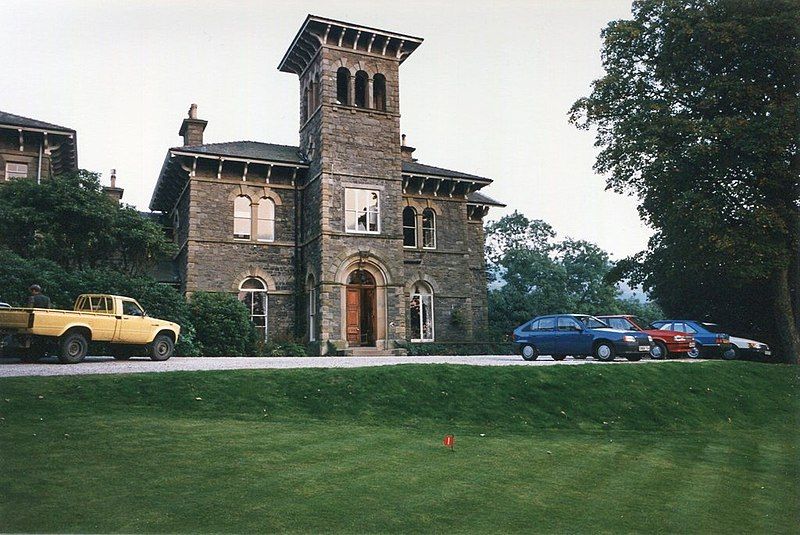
x,y
638,322
592,323
713,327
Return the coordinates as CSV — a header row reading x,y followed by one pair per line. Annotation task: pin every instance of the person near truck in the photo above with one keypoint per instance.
x,y
37,299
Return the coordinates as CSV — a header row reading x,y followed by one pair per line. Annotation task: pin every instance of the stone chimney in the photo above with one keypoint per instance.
x,y
406,151
113,191
192,128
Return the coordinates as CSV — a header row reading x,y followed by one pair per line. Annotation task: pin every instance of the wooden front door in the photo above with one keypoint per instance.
x,y
353,316
360,313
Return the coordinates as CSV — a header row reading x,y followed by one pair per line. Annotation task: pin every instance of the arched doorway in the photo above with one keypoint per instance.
x,y
361,308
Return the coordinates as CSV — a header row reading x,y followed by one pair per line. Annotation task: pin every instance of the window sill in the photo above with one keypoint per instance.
x,y
367,232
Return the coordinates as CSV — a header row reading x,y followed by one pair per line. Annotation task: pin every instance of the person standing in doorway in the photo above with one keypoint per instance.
x,y
37,299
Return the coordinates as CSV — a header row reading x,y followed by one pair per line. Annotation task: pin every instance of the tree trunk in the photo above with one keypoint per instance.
x,y
785,318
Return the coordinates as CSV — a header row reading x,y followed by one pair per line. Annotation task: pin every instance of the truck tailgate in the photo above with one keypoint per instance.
x,y
15,318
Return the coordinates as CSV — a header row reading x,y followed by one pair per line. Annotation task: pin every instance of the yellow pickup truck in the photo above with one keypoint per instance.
x,y
113,319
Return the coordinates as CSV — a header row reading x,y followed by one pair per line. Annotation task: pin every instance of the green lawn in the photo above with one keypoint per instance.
x,y
709,447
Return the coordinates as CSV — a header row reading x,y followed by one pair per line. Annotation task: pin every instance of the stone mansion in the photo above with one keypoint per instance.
x,y
346,240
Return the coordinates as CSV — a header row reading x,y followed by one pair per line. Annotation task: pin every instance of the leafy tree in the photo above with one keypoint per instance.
x,y
71,221
537,275
697,114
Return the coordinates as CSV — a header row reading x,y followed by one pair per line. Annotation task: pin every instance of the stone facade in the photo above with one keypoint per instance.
x,y
330,276
33,149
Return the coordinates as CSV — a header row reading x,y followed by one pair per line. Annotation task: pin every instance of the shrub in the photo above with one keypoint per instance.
x,y
282,347
223,325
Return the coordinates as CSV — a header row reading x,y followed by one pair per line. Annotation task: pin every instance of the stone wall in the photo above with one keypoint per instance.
x,y
448,268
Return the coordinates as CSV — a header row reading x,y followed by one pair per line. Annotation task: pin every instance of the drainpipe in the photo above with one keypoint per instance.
x,y
39,170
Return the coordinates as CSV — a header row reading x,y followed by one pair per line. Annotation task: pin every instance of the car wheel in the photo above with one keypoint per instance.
x,y
730,354
633,358
693,353
73,348
559,357
161,348
529,352
604,351
659,351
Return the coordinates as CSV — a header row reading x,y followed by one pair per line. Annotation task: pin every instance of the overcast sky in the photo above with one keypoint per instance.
x,y
486,93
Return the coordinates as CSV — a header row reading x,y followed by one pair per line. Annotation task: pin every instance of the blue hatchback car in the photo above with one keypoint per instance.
x,y
578,335
711,341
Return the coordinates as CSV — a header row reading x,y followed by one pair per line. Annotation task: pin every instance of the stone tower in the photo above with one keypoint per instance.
x,y
351,236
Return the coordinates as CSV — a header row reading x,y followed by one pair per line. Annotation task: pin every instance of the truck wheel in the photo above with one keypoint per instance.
x,y
529,352
604,351
659,351
161,348
73,348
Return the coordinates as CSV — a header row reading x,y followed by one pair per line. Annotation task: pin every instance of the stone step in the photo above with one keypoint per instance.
x,y
372,352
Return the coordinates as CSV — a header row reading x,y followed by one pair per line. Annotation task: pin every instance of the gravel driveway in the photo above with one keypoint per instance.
x,y
107,365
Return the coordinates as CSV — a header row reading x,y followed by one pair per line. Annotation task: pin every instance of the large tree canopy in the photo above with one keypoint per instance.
x,y
534,274
697,114
71,221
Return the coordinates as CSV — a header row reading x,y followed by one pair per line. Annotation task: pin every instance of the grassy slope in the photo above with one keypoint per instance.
x,y
669,447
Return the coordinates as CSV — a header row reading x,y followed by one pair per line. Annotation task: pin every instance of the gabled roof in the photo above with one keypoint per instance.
x,y
416,168
248,149
476,197
10,119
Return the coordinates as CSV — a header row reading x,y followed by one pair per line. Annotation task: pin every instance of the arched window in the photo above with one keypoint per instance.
x,y
253,293
428,229
409,227
361,89
379,92
342,86
312,308
421,312
242,218
265,227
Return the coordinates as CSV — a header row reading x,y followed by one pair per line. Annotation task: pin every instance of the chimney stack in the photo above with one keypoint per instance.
x,y
113,191
406,152
192,128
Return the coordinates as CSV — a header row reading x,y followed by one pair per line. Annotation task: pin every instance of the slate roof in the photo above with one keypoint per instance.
x,y
422,169
26,122
248,149
476,197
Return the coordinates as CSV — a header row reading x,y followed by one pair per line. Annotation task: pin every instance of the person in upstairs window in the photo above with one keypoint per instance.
x,y
37,299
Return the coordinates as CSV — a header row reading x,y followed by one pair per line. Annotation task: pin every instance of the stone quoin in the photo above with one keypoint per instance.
x,y
345,241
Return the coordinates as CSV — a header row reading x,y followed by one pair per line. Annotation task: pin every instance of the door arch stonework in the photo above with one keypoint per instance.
x,y
373,267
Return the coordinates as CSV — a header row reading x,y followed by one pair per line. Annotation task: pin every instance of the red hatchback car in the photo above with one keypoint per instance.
x,y
665,343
